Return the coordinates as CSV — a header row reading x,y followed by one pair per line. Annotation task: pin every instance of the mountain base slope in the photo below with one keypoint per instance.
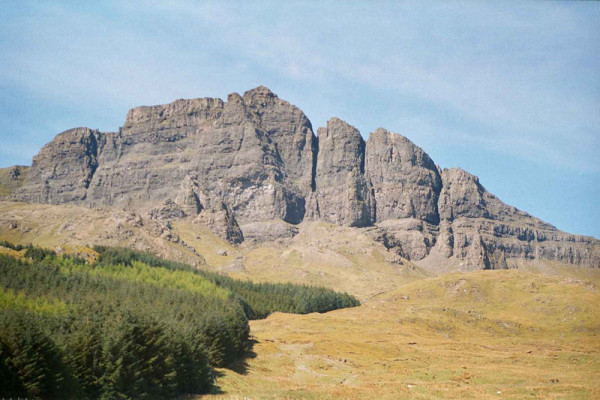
x,y
478,335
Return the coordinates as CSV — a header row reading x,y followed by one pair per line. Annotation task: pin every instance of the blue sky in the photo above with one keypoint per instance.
x,y
509,91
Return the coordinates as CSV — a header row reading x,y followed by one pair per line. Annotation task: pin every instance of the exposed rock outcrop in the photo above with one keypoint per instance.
x,y
251,167
478,230
219,218
187,198
406,181
268,231
291,132
343,194
406,185
63,169
463,196
254,152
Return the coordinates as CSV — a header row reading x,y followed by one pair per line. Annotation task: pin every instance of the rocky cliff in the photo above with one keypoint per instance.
x,y
251,168
343,194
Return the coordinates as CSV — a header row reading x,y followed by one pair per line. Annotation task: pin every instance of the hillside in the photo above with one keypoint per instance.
x,y
320,253
525,333
253,211
475,335
129,325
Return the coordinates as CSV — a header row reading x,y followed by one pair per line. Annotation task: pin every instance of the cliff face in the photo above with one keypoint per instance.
x,y
477,229
255,152
63,169
240,166
407,183
343,194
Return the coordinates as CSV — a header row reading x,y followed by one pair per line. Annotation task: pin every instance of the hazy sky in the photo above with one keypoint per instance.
x,y
509,91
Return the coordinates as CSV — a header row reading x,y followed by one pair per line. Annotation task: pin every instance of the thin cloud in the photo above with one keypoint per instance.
x,y
508,75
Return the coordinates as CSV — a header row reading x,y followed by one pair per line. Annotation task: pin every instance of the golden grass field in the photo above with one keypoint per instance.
x,y
518,334
478,335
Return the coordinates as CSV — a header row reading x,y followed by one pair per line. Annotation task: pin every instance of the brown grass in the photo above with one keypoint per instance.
x,y
528,333
479,335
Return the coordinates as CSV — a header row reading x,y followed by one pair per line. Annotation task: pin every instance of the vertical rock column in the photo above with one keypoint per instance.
x,y
343,194
406,185
406,181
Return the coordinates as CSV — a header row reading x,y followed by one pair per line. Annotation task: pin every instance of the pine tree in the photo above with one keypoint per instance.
x,y
34,357
10,385
84,345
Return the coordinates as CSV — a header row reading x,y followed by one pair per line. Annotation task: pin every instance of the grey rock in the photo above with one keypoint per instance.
x,y
251,168
12,180
343,194
14,173
63,169
480,231
268,231
406,185
291,132
405,180
237,265
187,198
221,220
230,148
167,212
408,237
463,196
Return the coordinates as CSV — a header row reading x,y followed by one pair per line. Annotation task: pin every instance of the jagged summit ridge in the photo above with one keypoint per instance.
x,y
239,166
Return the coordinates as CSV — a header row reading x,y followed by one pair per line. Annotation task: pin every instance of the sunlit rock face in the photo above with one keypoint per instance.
x,y
343,194
63,169
252,166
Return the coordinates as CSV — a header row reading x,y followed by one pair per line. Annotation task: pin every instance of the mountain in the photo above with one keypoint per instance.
x,y
251,169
